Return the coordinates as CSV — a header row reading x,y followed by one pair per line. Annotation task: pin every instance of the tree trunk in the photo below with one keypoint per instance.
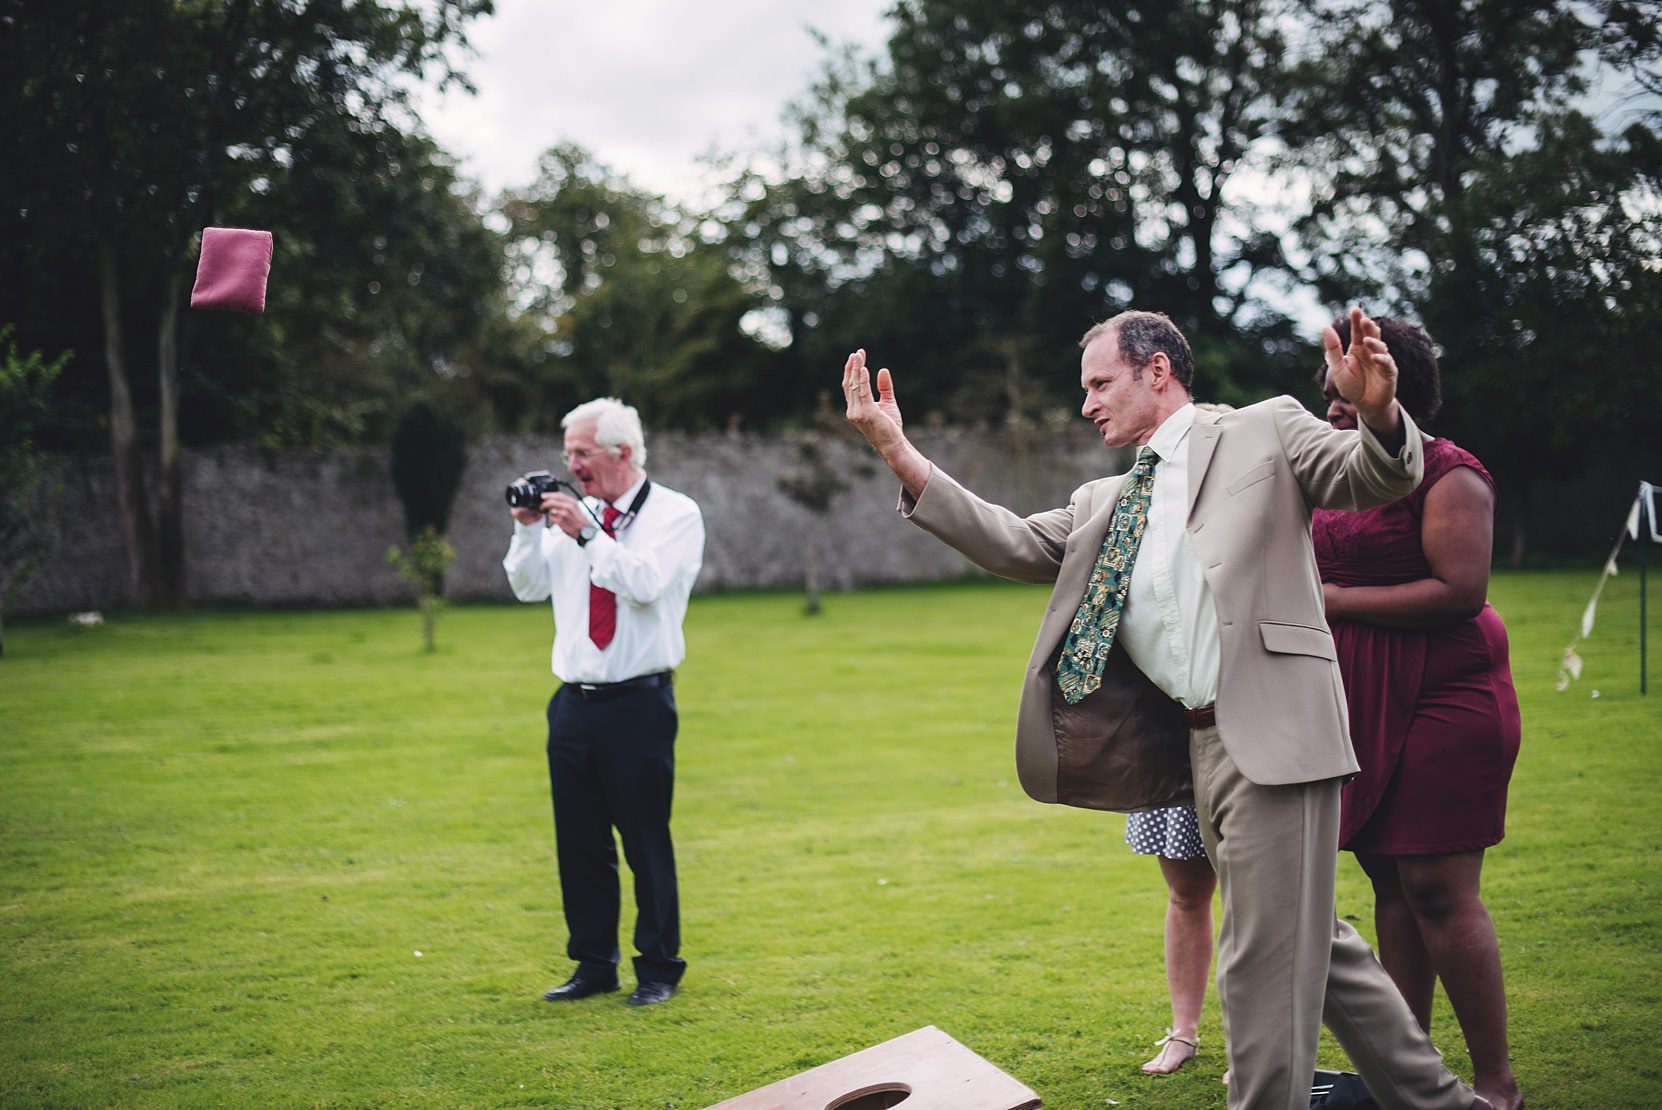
x,y
1009,348
170,527
1520,527
136,525
810,579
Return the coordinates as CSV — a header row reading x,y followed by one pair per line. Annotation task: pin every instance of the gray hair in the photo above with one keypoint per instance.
x,y
615,425
1141,335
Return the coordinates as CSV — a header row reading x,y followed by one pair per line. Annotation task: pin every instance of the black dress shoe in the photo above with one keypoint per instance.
x,y
648,993
578,987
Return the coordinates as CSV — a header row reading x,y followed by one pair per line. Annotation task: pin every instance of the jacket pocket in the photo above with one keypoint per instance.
x,y
1297,639
1252,477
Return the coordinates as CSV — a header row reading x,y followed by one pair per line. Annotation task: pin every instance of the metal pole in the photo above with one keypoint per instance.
x,y
1644,545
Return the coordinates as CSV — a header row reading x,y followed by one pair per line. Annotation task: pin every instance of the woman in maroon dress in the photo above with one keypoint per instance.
x,y
1433,717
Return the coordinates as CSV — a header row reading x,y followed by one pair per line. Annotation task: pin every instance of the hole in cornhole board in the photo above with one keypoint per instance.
x,y
880,1097
922,1070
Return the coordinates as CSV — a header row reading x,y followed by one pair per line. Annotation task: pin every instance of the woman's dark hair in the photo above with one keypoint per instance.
x,y
1419,382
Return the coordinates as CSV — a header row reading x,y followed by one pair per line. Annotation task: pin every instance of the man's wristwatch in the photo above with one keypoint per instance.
x,y
586,533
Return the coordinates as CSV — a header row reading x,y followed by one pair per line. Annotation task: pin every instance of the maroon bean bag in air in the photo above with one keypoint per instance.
x,y
232,271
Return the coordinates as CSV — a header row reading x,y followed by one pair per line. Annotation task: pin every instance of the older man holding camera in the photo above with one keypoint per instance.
x,y
619,563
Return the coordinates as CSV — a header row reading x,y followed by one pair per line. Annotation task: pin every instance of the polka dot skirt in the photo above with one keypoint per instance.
x,y
1173,833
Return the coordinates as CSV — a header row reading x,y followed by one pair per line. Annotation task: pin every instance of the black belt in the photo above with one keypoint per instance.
x,y
605,691
1204,717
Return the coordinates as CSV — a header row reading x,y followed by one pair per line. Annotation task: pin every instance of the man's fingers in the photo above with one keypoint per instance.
x,y
558,503
1332,349
885,386
1379,357
855,375
853,365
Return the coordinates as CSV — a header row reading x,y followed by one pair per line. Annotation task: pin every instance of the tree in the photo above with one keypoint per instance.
x,y
1459,180
26,490
1023,169
1394,107
1562,300
383,284
423,565
636,298
429,454
814,483
136,122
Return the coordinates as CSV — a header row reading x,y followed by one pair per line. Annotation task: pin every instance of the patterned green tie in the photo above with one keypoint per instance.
x,y
1079,669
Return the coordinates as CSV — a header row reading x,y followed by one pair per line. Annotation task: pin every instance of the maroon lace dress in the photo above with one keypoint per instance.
x,y
1433,714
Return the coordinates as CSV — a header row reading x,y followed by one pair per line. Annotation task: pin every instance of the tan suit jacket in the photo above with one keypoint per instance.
x,y
1255,475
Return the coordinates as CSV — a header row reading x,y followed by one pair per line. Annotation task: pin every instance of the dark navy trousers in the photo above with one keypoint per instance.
x,y
611,765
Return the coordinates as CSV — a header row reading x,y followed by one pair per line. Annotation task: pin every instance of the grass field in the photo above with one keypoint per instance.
x,y
288,859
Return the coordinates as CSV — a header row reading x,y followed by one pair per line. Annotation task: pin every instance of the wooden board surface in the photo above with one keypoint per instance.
x,y
931,1070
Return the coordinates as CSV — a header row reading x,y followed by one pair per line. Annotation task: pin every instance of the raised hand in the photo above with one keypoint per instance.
x,y
876,414
1365,375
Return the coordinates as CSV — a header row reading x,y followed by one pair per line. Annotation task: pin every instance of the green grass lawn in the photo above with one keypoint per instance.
x,y
288,859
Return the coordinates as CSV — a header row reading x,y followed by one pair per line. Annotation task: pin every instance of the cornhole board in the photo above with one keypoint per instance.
x,y
923,1070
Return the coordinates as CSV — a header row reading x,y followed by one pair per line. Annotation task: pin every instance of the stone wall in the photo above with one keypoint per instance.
x,y
313,527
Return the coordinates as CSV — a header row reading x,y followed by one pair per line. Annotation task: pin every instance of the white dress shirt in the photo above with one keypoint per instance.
x,y
1169,625
650,566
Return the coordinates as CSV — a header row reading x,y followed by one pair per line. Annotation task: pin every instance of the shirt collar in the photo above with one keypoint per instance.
x,y
627,497
1168,438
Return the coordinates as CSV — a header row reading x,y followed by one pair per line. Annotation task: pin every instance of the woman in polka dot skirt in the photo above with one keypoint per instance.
x,y
1174,836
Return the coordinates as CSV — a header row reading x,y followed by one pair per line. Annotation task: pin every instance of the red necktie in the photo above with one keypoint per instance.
x,y
603,602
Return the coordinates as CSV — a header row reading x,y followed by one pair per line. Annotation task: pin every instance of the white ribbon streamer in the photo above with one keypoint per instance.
x,y
1570,669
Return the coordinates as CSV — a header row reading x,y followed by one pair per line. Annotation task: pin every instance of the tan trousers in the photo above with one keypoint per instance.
x,y
1286,964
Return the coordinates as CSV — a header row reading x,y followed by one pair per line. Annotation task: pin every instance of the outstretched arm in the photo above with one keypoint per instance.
x,y
1366,376
878,417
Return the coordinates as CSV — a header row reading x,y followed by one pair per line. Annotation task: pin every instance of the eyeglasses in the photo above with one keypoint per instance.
x,y
585,454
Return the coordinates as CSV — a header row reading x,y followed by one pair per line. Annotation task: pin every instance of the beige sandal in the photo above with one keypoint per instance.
x,y
1155,1066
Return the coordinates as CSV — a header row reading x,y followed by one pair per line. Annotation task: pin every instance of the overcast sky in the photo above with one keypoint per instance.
x,y
646,85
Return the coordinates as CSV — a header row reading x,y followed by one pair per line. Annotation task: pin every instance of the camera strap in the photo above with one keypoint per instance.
x,y
630,513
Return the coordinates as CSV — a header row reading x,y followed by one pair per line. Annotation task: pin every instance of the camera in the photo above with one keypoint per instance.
x,y
526,492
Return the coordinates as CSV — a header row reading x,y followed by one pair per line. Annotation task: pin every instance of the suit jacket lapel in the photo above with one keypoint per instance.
x,y
1203,440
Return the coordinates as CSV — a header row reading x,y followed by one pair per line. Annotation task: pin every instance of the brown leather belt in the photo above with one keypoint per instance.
x,y
1204,717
